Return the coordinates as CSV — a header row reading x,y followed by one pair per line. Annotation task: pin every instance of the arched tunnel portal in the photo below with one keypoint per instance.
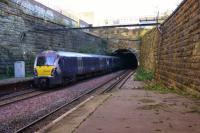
x,y
129,58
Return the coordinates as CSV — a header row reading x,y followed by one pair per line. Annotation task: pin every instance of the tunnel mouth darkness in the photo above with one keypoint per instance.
x,y
129,58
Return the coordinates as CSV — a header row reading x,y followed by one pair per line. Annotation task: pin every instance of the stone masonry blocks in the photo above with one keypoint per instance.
x,y
174,53
22,36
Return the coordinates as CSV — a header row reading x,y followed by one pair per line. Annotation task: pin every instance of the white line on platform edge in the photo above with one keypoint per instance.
x,y
63,116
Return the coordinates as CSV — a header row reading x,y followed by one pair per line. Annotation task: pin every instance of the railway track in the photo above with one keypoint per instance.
x,y
103,88
15,94
20,97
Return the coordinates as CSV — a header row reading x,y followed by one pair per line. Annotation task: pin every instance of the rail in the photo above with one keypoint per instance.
x,y
118,79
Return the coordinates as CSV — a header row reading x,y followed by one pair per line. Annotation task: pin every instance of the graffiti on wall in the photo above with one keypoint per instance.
x,y
36,9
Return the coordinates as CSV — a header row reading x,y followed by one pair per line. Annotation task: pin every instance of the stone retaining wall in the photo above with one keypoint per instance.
x,y
120,38
22,36
173,50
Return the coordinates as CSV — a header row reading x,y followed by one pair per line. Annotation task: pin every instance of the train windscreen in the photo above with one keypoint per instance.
x,y
46,60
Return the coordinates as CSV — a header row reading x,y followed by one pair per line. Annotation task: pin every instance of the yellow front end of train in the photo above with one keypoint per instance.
x,y
44,71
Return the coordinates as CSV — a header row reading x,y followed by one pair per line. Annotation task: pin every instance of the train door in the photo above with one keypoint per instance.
x,y
80,65
107,62
60,65
101,63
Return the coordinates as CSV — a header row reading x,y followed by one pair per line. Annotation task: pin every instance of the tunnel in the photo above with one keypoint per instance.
x,y
129,58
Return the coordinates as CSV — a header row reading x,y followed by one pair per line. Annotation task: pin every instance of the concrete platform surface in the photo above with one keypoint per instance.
x,y
14,80
138,111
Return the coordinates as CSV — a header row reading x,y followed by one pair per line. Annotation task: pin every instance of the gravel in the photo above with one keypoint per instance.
x,y
14,116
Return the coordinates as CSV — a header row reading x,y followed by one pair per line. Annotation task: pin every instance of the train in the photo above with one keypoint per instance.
x,y
53,68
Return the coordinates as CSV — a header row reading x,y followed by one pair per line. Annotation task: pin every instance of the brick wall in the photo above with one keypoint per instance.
x,y
23,35
173,53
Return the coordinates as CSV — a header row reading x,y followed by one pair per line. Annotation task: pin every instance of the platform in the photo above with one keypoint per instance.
x,y
131,110
14,80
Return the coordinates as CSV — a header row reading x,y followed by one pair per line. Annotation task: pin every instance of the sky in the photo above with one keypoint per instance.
x,y
104,9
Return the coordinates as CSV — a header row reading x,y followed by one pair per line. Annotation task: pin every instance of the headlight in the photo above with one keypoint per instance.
x,y
53,72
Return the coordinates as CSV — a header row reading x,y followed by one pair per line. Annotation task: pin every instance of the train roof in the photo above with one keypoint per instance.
x,y
74,54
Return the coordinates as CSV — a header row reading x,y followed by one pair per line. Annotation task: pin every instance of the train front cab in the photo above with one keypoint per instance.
x,y
45,71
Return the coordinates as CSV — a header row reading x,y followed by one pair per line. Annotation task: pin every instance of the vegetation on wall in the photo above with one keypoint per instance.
x,y
158,86
29,59
153,85
4,1
144,75
9,71
89,50
142,32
